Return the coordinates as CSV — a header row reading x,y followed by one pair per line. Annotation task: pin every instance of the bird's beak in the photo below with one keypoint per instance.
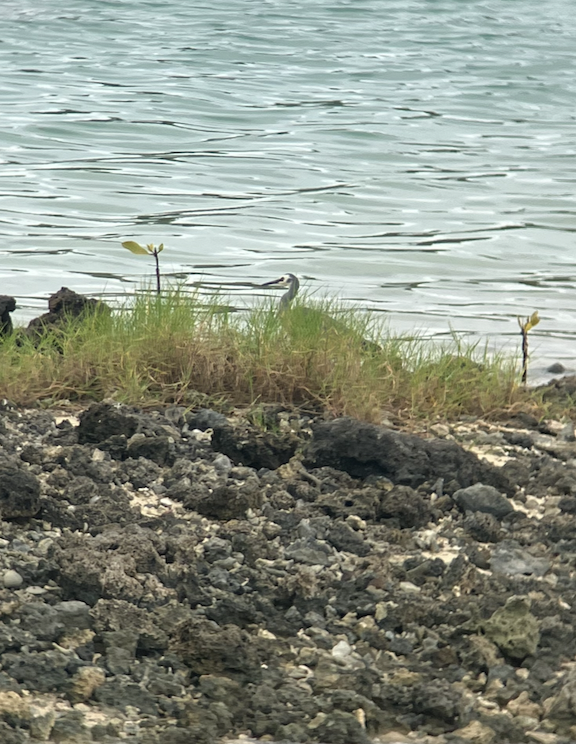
x,y
273,283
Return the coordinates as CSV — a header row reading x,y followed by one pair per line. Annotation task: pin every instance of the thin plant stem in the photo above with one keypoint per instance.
x,y
157,270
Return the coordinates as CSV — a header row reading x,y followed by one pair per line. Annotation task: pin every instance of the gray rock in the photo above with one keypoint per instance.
x,y
216,549
43,671
205,418
70,728
556,369
121,691
12,579
509,558
222,464
560,707
73,614
41,620
483,499
310,551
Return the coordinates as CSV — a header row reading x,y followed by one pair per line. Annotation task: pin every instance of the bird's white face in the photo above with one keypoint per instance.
x,y
284,281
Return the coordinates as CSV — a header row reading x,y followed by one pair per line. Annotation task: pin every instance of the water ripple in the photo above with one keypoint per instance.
x,y
413,157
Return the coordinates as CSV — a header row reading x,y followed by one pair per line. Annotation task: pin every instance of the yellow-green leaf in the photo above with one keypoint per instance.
x,y
534,319
134,247
160,247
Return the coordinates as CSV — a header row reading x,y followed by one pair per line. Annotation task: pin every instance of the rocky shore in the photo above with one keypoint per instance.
x,y
175,577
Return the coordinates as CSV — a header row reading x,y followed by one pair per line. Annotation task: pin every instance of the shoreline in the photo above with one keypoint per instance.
x,y
174,576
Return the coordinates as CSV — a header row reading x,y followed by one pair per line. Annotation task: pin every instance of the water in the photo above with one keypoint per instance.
x,y
411,156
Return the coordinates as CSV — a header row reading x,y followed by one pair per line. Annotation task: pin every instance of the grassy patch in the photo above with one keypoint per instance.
x,y
174,349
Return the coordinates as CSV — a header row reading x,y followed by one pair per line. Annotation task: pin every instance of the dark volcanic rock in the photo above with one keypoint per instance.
x,y
252,447
343,537
104,420
404,507
482,527
563,389
176,597
365,449
42,671
7,306
208,648
19,492
157,449
110,615
64,305
225,501
121,691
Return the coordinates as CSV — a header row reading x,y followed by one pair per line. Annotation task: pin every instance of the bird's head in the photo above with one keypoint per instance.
x,y
286,280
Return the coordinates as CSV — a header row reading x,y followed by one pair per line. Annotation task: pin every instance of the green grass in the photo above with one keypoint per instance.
x,y
173,349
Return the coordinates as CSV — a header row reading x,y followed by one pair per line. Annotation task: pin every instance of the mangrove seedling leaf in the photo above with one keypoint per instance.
x,y
134,247
533,320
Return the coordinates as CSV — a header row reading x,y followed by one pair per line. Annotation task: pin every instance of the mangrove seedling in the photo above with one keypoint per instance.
x,y
525,326
148,250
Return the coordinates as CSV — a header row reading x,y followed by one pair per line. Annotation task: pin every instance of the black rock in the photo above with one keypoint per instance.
x,y
64,305
362,449
158,449
403,507
250,446
104,420
7,306
19,493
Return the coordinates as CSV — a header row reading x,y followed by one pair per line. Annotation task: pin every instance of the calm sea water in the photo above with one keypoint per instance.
x,y
413,156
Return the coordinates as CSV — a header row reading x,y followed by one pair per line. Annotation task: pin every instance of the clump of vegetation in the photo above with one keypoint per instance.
x,y
173,349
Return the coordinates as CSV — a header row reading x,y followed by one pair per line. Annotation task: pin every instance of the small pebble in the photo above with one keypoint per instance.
x,y
341,650
36,590
408,586
222,464
12,579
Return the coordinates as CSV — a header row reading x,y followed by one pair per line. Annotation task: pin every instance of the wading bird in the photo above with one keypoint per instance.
x,y
315,316
290,281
